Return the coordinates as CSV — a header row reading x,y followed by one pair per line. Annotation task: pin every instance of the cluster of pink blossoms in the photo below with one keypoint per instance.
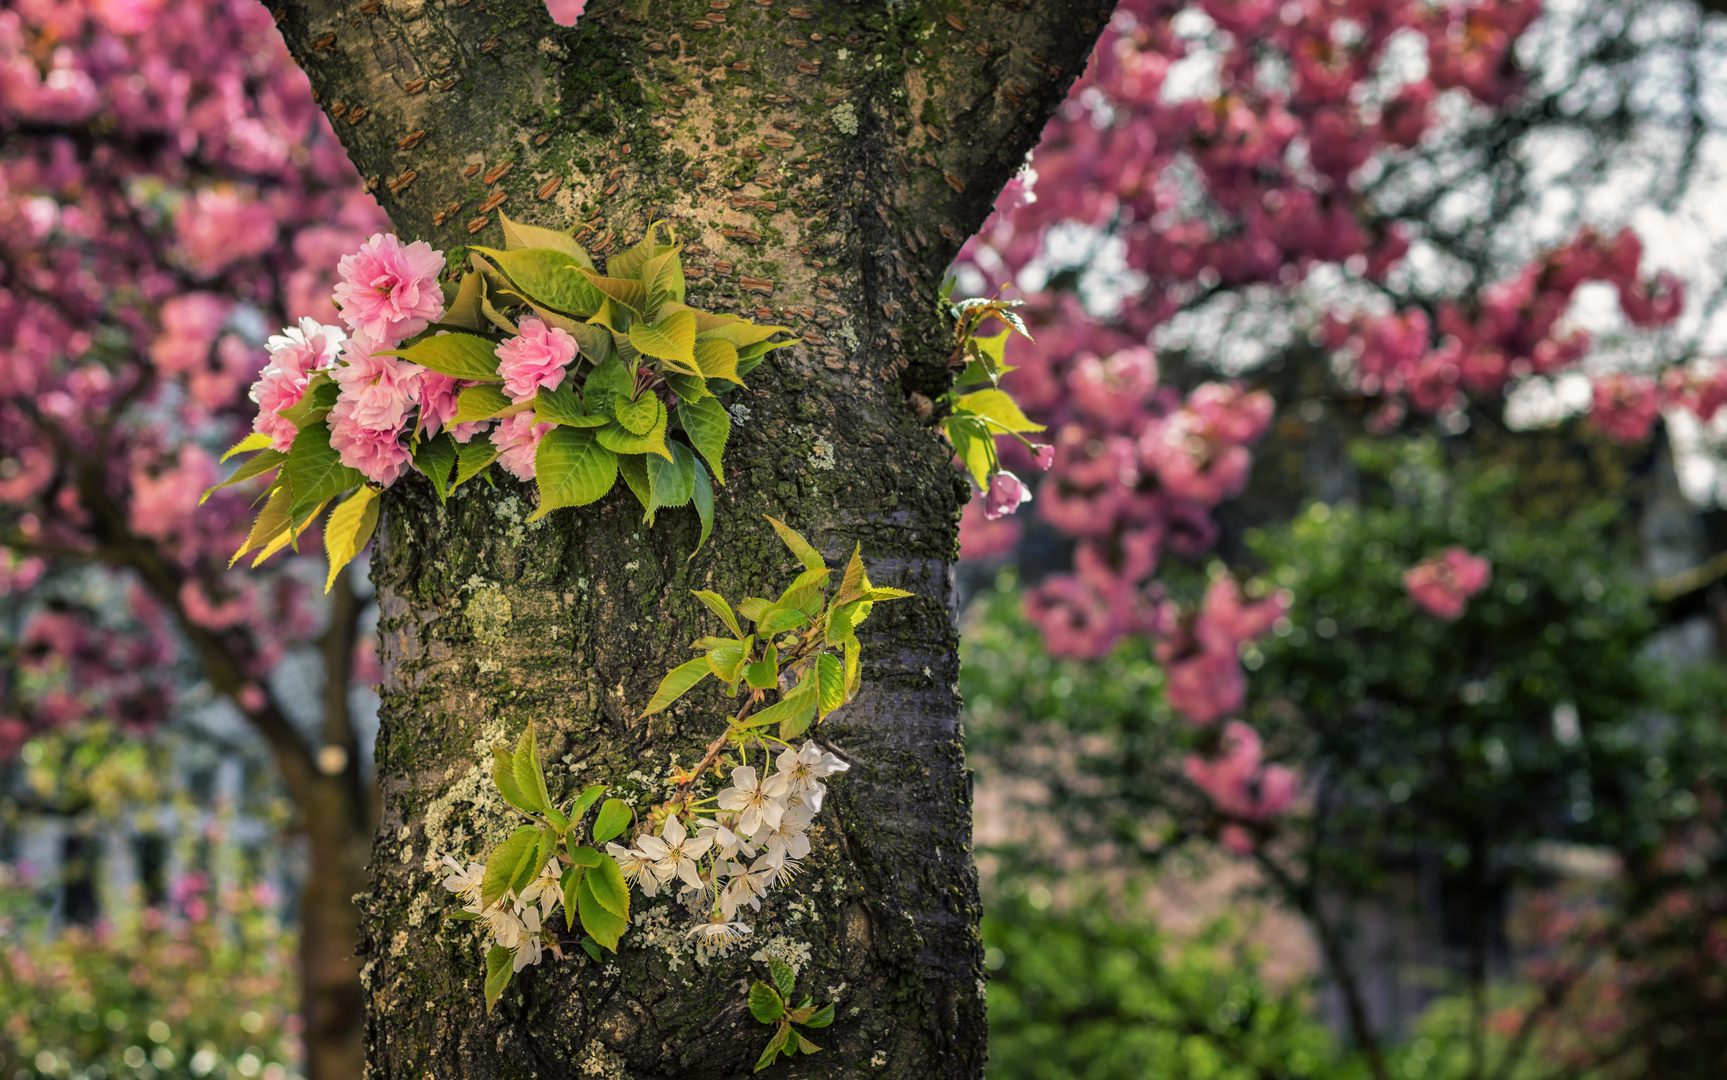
x,y
1248,182
388,293
166,180
1517,329
1241,785
1442,585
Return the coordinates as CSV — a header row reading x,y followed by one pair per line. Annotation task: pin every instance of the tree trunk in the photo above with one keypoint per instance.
x,y
823,164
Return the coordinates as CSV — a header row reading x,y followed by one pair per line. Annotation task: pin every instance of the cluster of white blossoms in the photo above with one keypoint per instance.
x,y
751,844
517,921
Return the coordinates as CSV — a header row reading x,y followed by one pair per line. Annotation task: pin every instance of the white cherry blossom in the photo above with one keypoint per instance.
x,y
547,890
719,931
756,800
786,841
728,843
637,866
464,883
675,853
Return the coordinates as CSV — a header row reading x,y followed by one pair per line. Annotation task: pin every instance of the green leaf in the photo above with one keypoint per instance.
x,y
766,1004
843,621
704,500
504,861
348,529
830,688
676,684
775,1045
687,387
553,278
618,439
628,264
607,884
544,852
288,532
823,1017
972,444
809,556
855,582
256,465
754,607
674,340
504,776
613,819
473,458
882,592
793,711
717,604
663,274
571,469
258,440
594,341
634,470
806,593
780,619
557,818
783,975
481,403
588,797
584,856
609,381
997,407
500,968
672,483
727,660
592,948
462,308
518,235
718,360
530,778
641,415
751,356
630,294
763,674
709,426
314,471
464,356
804,1045
435,459
563,406
605,925
319,398
853,666
568,884
268,524
741,335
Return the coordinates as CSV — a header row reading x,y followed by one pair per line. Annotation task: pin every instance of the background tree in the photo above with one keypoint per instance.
x,y
170,191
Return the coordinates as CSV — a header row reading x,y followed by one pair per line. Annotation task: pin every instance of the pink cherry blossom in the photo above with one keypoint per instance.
x,y
1626,407
389,291
379,390
1237,781
518,439
378,452
1005,495
439,396
566,12
537,357
163,501
223,225
1443,584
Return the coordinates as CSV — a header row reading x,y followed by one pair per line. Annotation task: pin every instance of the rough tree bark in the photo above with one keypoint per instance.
x,y
823,163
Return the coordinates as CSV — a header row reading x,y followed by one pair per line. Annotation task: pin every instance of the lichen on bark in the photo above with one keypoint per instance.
x,y
822,163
